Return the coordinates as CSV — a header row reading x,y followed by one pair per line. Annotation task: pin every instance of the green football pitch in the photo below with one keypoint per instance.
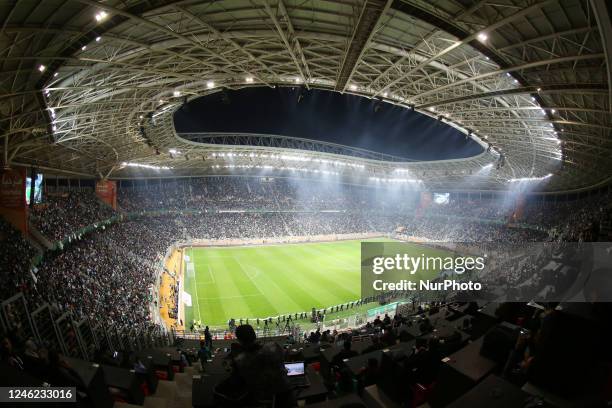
x,y
269,280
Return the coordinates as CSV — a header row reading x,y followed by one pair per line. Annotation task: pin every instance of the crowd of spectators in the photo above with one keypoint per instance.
x,y
570,220
455,230
229,193
24,354
468,219
110,272
25,361
16,255
488,209
63,214
105,275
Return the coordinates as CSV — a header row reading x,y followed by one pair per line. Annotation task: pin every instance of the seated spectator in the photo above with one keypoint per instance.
x,y
388,337
34,359
376,345
520,358
417,359
139,367
314,336
259,369
60,374
345,353
8,355
425,326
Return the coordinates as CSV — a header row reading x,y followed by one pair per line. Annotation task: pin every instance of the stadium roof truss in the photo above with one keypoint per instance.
x,y
88,86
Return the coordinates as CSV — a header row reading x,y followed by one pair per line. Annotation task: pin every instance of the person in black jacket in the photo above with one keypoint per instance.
x,y
258,370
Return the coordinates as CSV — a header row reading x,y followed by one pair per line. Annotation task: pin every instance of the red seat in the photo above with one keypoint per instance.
x,y
145,389
421,394
161,375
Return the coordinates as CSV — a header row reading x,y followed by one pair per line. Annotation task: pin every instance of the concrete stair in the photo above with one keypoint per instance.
x,y
166,389
156,402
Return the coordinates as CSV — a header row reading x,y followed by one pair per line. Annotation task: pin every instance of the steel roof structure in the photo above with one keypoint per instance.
x,y
88,85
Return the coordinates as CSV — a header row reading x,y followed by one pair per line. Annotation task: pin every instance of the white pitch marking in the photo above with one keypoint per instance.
x,y
195,280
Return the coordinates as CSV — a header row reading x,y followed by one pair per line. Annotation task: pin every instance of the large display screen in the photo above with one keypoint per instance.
x,y
441,198
37,188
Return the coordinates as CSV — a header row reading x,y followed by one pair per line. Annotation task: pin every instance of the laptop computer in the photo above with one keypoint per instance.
x,y
296,372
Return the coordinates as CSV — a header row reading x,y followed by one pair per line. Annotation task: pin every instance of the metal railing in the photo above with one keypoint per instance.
x,y
287,142
262,333
72,337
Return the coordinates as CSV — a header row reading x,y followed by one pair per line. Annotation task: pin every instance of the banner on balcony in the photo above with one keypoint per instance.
x,y
13,205
106,190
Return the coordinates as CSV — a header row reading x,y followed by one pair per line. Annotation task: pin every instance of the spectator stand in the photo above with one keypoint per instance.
x,y
46,327
17,317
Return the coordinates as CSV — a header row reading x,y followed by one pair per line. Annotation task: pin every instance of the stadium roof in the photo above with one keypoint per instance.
x,y
88,85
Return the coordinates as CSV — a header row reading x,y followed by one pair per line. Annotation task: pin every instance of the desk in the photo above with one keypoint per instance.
x,y
150,376
10,376
126,381
327,356
457,321
459,308
458,324
484,319
448,334
361,345
92,377
159,360
461,371
493,391
308,351
470,363
413,330
352,399
217,365
203,388
316,391
358,363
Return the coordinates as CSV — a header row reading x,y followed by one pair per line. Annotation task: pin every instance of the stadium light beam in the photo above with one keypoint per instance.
x,y
515,180
145,166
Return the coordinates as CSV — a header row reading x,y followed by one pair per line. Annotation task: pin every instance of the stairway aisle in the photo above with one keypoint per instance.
x,y
169,394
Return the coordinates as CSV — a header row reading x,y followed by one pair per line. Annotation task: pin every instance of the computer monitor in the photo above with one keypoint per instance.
x,y
295,369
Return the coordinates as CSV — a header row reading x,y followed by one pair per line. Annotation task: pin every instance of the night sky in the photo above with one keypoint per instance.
x,y
326,116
